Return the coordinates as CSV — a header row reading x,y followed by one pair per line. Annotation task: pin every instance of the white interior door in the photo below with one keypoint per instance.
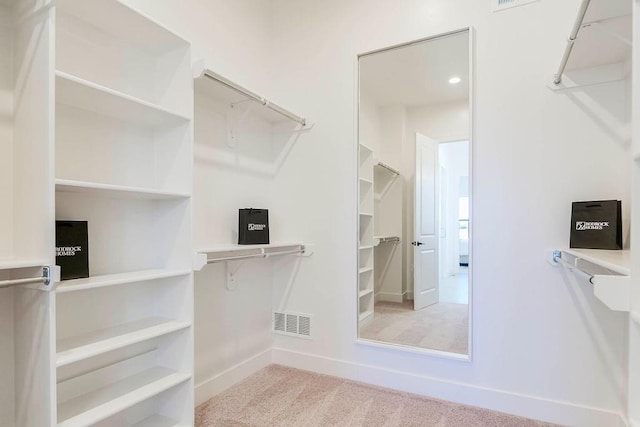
x,y
426,231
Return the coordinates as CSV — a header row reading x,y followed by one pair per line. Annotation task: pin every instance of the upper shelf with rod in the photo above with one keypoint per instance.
x,y
219,87
608,272
244,252
598,48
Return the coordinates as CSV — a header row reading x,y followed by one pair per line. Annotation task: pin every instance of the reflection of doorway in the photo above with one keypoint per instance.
x,y
454,221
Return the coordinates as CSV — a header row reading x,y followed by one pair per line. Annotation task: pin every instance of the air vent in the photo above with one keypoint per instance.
x,y
506,4
292,324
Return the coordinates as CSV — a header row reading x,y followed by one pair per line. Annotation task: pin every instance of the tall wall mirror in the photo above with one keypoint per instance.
x,y
414,136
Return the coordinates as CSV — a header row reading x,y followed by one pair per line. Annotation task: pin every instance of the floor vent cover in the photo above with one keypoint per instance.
x,y
292,324
506,4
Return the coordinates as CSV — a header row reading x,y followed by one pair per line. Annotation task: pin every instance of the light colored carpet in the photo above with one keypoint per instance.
x,y
280,396
442,326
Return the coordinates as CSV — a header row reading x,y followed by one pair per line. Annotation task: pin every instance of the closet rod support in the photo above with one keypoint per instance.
x,y
558,260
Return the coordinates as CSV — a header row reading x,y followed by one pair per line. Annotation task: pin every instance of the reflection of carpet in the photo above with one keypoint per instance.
x,y
279,396
442,326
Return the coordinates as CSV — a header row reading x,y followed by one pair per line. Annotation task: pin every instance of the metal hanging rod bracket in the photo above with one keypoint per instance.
x,y
47,281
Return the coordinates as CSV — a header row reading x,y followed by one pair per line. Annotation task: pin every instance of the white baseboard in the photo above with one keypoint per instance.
x,y
389,297
552,411
207,389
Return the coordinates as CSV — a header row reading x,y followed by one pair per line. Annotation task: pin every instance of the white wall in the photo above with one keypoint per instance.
x,y
542,346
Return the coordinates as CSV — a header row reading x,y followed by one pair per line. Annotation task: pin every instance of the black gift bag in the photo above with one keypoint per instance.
x,y
72,249
253,226
596,225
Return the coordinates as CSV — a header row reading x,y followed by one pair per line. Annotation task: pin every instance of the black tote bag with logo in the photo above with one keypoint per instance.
x,y
253,226
596,225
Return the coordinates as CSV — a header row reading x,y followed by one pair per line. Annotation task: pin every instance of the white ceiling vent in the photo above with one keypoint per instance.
x,y
292,324
506,4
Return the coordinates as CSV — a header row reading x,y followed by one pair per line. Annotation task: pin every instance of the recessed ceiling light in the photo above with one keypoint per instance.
x,y
454,80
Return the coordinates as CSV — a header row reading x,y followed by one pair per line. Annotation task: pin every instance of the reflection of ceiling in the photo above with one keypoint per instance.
x,y
417,74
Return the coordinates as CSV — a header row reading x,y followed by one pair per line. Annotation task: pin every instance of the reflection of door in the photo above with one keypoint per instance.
x,y
425,260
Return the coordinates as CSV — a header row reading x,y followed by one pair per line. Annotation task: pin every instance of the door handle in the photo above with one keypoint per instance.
x,y
417,243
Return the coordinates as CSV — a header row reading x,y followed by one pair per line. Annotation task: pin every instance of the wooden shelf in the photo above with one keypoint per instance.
x,y
615,261
124,23
365,292
86,95
117,279
13,263
116,191
158,421
365,270
82,347
90,408
365,315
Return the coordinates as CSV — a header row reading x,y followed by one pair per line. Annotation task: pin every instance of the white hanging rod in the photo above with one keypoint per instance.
x,y
246,92
571,40
389,168
264,253
44,279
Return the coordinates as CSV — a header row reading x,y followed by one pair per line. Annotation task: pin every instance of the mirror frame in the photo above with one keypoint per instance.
x,y
400,347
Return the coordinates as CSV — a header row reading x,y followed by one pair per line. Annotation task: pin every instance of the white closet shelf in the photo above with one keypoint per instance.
x,y
17,262
95,406
366,292
366,181
365,270
616,261
224,90
124,23
366,214
608,271
362,248
116,191
158,421
222,253
377,240
365,150
117,279
86,95
88,345
365,315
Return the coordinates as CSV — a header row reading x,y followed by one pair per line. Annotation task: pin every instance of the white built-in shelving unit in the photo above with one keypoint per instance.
x,y
366,227
100,130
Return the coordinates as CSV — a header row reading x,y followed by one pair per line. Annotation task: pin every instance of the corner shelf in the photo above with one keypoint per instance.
x,y
74,349
90,408
608,271
80,93
116,191
117,279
